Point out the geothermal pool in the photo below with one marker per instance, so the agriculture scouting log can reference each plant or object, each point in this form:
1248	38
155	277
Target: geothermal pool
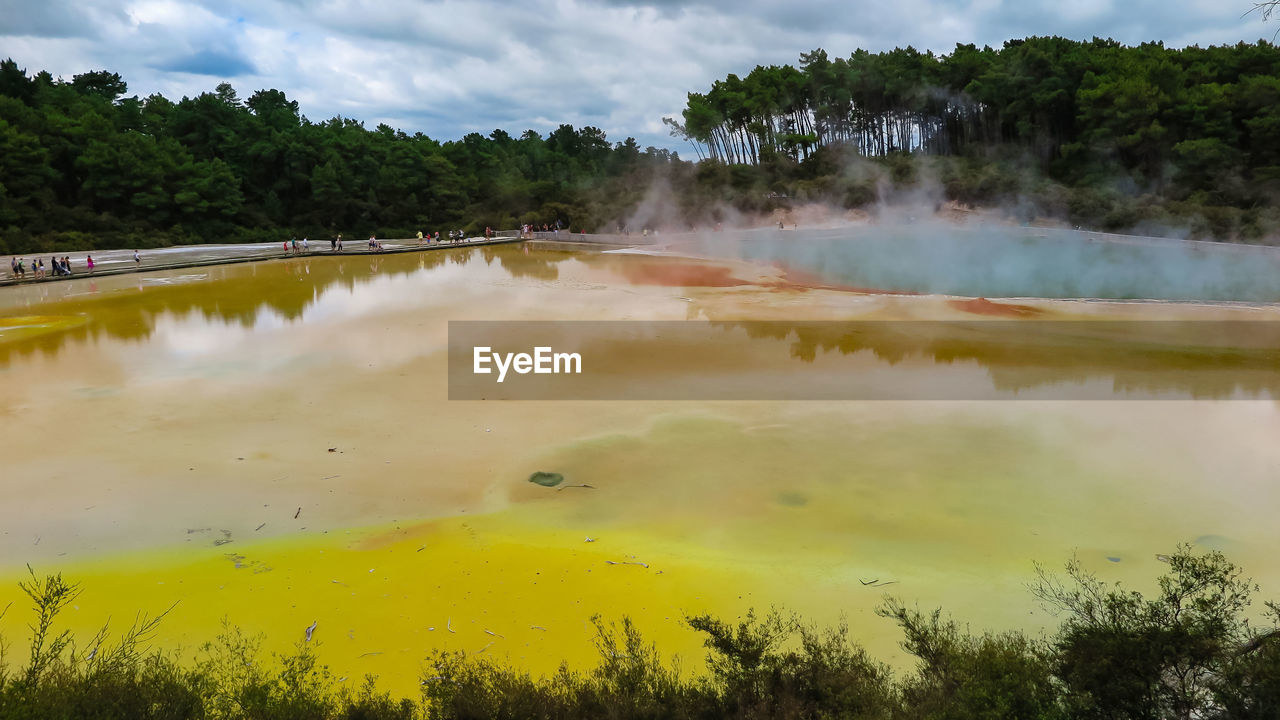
272	443
932	256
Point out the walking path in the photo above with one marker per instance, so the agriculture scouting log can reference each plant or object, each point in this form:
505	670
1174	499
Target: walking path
116	262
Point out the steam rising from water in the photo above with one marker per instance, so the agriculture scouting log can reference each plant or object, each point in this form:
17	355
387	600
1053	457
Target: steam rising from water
934	256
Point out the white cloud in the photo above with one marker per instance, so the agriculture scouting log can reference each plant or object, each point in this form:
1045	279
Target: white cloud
170	15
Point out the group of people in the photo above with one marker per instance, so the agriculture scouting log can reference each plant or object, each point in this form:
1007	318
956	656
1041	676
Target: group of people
61	265
375	245
454	236
58	267
527	230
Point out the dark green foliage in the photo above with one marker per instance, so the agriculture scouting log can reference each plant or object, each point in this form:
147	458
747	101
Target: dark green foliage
630	682
1192	123
1097	103
1249	684
370	704
962	676
779	667
1119	654
80	157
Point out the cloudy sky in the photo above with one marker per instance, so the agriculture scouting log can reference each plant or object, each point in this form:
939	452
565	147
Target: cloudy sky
449	67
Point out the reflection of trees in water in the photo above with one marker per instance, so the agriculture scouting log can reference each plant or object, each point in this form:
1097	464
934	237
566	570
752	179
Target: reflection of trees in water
243	292
1207	360
538	265
287	288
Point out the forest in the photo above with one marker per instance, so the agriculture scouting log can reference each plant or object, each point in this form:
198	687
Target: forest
82	165
1183	131
1095	133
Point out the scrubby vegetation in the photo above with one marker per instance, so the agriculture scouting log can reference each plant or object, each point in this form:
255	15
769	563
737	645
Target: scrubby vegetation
1186	652
1103	135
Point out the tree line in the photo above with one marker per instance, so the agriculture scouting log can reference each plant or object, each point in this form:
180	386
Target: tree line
1186	651
1107	136
84	165
1198	125
1075	106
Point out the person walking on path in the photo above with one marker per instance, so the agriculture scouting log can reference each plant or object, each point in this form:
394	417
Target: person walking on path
88	261
137	259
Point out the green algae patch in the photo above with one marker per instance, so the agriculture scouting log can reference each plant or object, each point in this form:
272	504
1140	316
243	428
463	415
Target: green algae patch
546	479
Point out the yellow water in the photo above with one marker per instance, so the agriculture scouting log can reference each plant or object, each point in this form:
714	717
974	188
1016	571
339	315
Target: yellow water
272	443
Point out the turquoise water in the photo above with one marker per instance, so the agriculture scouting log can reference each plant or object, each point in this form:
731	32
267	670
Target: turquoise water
997	261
